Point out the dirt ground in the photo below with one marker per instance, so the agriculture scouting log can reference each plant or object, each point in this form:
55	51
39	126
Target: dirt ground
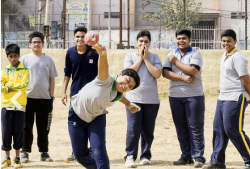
165	148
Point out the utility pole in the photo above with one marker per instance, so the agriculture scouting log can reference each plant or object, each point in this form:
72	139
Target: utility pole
184	13
128	25
63	26
120	45
47	23
109	23
246	25
3	21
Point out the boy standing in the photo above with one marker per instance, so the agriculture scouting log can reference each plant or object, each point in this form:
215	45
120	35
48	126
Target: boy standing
40	96
183	69
87	116
14	83
231	104
80	63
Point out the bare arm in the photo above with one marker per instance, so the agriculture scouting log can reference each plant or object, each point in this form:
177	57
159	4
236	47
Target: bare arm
103	73
187	69
177	77
246	82
65	86
131	106
52	86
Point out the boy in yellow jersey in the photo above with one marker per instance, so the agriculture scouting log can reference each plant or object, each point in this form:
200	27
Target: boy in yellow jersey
14	83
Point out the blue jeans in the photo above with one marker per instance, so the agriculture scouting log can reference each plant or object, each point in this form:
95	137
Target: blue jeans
188	116
80	132
141	124
228	124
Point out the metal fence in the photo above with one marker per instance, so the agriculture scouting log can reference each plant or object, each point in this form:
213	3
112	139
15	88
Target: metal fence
21	17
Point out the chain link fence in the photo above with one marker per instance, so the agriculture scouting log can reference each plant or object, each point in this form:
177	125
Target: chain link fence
21	17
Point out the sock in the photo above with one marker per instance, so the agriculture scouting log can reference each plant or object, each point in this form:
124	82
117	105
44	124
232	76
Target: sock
17	157
7	157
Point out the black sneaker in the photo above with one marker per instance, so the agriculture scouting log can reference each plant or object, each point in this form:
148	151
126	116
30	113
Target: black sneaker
183	162
212	166
198	163
24	157
45	157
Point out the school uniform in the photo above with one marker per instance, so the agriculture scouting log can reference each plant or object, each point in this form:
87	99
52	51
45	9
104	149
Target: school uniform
87	121
187	105
142	124
231	105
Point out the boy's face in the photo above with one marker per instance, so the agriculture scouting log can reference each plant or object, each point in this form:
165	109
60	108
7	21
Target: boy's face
228	43
79	39
143	41
182	41
13	59
36	45
124	83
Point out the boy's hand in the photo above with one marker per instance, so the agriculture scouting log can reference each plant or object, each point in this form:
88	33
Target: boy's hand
172	59
188	79
64	99
101	50
133	107
10	90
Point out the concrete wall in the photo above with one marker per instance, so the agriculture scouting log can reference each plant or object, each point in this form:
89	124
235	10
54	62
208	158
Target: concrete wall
210	70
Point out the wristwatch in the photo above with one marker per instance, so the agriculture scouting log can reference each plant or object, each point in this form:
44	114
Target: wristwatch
52	98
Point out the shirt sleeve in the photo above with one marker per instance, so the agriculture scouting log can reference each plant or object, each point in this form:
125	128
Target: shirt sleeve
68	66
53	72
240	65
128	61
23	84
157	61
196	59
166	63
106	82
4	89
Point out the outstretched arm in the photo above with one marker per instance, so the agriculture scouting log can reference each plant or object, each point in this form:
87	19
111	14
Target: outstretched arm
103	73
131	106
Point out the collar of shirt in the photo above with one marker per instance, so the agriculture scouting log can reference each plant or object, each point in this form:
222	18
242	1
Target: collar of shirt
119	95
189	50
230	53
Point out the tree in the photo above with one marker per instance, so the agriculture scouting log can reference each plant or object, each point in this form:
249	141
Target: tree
171	14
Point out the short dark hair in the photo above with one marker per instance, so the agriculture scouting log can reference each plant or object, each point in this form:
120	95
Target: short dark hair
132	73
144	33
12	48
229	32
36	34
184	31
80	29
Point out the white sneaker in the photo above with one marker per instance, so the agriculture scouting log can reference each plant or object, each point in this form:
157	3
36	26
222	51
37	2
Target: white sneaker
145	161
130	162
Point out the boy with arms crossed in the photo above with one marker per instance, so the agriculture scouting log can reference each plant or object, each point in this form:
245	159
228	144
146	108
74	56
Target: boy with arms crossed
14	83
183	69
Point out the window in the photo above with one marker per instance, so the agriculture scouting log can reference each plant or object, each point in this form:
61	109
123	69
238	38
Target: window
239	15
113	15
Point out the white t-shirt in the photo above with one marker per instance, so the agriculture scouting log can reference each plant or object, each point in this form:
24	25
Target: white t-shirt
40	70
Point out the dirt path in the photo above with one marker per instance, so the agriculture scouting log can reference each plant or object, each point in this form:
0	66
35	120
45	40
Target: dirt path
165	148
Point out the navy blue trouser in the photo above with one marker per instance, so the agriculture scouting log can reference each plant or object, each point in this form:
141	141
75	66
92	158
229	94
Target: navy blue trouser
142	124
12	125
228	124
80	132
188	116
